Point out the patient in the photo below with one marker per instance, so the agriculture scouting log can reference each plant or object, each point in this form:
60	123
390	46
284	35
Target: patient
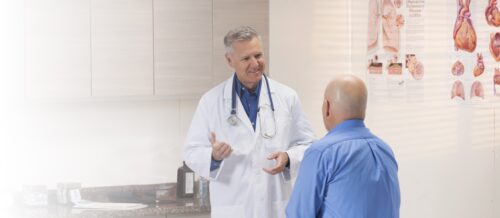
349	172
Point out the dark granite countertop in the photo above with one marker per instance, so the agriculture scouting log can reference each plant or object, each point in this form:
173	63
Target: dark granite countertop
160	198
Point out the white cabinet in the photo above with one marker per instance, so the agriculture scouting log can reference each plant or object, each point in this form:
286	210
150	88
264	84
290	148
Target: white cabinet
57	61
122	47
182	47
116	48
189	49
201	215
187	215
228	14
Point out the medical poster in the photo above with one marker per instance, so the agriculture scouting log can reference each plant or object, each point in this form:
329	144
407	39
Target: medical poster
396	50
474	76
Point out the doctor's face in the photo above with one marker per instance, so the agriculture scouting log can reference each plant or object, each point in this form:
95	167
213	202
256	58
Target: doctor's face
247	59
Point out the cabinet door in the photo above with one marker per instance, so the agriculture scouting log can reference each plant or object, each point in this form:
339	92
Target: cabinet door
183	47
122	47
57	48
195	215
229	14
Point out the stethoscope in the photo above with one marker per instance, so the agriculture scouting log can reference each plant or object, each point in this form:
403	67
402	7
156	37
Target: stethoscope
233	119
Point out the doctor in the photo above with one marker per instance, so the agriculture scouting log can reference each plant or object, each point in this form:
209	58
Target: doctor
247	135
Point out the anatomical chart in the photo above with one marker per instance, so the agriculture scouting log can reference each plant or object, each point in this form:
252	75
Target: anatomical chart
474	75
395	50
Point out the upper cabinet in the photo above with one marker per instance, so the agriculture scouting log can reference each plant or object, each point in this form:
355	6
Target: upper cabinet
115	48
57	61
122	47
182	47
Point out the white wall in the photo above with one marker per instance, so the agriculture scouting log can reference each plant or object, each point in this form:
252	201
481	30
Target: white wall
449	168
97	142
446	153
496	201
101	141
104	143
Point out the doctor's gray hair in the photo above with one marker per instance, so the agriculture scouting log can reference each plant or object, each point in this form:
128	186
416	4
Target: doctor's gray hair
242	33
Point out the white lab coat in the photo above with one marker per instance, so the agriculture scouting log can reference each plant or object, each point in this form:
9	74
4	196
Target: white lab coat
240	188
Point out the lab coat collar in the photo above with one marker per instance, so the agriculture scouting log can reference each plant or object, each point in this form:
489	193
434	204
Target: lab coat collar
240	111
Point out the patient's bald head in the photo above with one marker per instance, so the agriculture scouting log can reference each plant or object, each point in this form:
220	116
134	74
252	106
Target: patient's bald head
345	98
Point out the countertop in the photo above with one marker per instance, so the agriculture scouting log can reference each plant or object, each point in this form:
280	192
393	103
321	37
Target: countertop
160	198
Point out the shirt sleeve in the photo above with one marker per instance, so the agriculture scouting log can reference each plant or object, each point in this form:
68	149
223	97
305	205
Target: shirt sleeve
215	164
310	187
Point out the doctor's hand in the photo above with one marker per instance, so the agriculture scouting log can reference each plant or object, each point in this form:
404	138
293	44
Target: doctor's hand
220	150
281	161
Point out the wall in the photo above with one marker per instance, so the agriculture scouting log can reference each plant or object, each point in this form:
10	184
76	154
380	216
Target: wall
101	141
447	154
496	168
448	168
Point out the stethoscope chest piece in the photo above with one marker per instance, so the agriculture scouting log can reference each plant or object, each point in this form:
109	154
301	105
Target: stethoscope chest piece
232	120
268	130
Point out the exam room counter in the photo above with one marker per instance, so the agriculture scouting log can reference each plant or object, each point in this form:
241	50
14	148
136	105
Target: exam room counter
160	199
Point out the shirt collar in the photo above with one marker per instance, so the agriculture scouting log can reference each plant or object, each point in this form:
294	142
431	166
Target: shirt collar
348	124
240	88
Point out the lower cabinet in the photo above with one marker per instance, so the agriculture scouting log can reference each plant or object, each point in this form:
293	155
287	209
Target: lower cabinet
196	215
189	215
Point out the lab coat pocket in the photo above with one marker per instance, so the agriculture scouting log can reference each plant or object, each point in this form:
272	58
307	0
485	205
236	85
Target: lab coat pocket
228	211
239	138
282	138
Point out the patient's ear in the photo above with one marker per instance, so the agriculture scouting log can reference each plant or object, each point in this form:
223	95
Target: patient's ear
326	108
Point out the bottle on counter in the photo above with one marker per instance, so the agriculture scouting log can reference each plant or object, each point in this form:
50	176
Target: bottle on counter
203	193
185	182
202	188
68	193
